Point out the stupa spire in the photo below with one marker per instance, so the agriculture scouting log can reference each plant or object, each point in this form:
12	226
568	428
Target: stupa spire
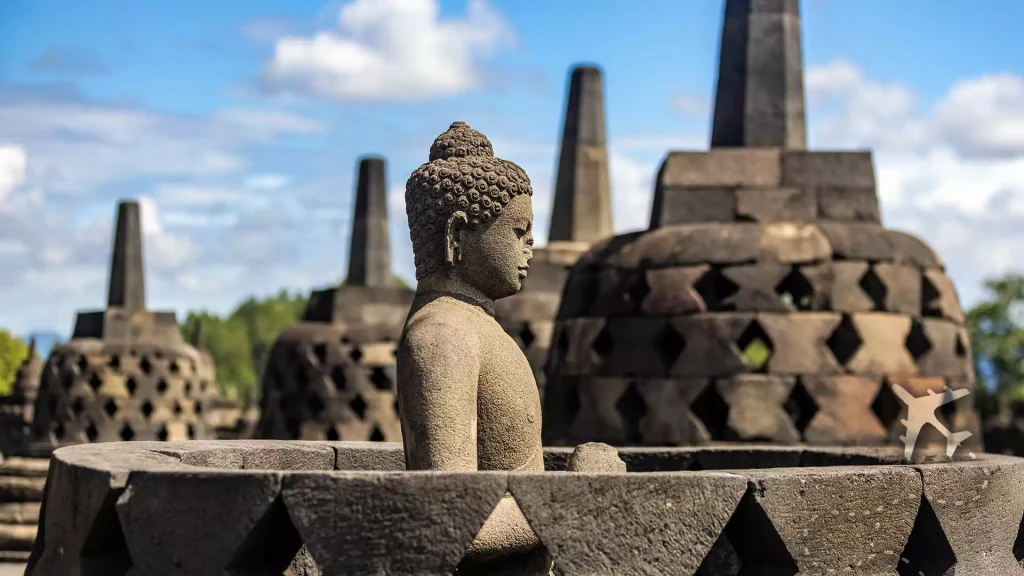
760	97
127	283
582	209
369	262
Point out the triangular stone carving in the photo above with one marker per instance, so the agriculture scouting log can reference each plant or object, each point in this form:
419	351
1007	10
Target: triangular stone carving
273	547
927	551
104	551
506	546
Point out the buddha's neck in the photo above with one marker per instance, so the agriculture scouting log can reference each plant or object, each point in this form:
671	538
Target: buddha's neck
449	284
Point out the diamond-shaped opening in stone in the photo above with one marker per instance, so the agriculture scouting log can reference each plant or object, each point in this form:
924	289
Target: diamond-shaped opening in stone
104	550
757	544
338	377
315	405
376	435
161	386
127	434
78	406
929	298
845	340
95	381
526	335
631	408
795	290
886	406
669	344
147	408
162	434
91	432
199	408
380	379
961	345
1018	544
59	431
115	362
721	560
358	405
294	427
145	365
332	434
715	288
177	408
948	411
173	367
535	561
190	431
638	290
68	380
132	385
273	546
801	407
917	341
712	410
83	363
110	407
756	347
188	387
873	286
356	355
927	551
562	344
604	343
320	352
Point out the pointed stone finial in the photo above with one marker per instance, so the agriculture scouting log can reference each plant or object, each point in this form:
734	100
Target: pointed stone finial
31	348
760	96
127	285
582	209
197	334
369	261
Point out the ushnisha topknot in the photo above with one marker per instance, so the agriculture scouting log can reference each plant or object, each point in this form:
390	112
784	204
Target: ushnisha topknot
462	175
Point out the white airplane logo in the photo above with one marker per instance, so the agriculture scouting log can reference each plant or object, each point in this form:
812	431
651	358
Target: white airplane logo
921	411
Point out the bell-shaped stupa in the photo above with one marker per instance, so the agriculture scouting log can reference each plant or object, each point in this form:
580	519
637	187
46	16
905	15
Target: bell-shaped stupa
766	302
126	373
331	376
581	215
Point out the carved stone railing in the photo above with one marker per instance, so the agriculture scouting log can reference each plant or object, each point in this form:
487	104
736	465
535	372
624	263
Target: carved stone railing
232	507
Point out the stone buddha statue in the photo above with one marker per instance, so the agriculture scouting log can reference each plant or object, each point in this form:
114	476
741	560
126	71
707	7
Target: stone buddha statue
467	395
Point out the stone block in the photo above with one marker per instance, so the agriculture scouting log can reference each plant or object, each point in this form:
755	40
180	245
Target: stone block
692	244
793	243
883	345
847	293
776	204
739	457
577	356
911	250
946	354
844	415
600	419
820	169
684	205
595	457
857	241
723	167
21	488
756	410
902	288
672	520
424	526
672	291
756	288
638	347
939	296
710	345
848	204
20	513
380	456
799	342
580	291
669	420
830	519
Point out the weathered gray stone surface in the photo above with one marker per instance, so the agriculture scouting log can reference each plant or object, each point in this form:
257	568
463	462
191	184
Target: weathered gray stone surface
124	508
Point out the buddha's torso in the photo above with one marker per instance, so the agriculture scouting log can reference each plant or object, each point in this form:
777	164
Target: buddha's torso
508	408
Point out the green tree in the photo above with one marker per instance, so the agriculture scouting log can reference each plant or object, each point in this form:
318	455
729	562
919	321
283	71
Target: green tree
13	352
996	326
400	283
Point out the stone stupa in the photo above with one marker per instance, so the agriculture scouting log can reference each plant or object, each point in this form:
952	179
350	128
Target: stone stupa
581	215
331	376
126	373
766	302
16	408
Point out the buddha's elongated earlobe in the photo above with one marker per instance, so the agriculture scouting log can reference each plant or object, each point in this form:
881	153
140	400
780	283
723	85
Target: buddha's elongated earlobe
453	237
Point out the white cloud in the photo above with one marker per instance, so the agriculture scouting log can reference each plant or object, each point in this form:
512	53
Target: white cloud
691	104
267	181
390	50
12	170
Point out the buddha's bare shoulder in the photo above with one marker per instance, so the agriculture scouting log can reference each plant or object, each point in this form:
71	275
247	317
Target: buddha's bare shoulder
444	322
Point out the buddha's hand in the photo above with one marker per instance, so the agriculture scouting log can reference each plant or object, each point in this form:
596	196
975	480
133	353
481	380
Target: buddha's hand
595	457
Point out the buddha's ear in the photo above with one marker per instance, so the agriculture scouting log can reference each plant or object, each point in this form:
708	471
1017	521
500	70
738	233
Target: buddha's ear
453	232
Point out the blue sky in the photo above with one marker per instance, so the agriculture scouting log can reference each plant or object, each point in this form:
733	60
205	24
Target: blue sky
241	133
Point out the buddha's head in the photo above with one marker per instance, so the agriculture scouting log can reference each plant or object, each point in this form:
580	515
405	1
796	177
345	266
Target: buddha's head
471	214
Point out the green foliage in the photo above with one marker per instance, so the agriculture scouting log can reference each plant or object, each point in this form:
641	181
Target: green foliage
13	351
401	283
239	343
996	326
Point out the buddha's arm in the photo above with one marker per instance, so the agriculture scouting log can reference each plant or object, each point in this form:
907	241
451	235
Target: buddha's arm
438	378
